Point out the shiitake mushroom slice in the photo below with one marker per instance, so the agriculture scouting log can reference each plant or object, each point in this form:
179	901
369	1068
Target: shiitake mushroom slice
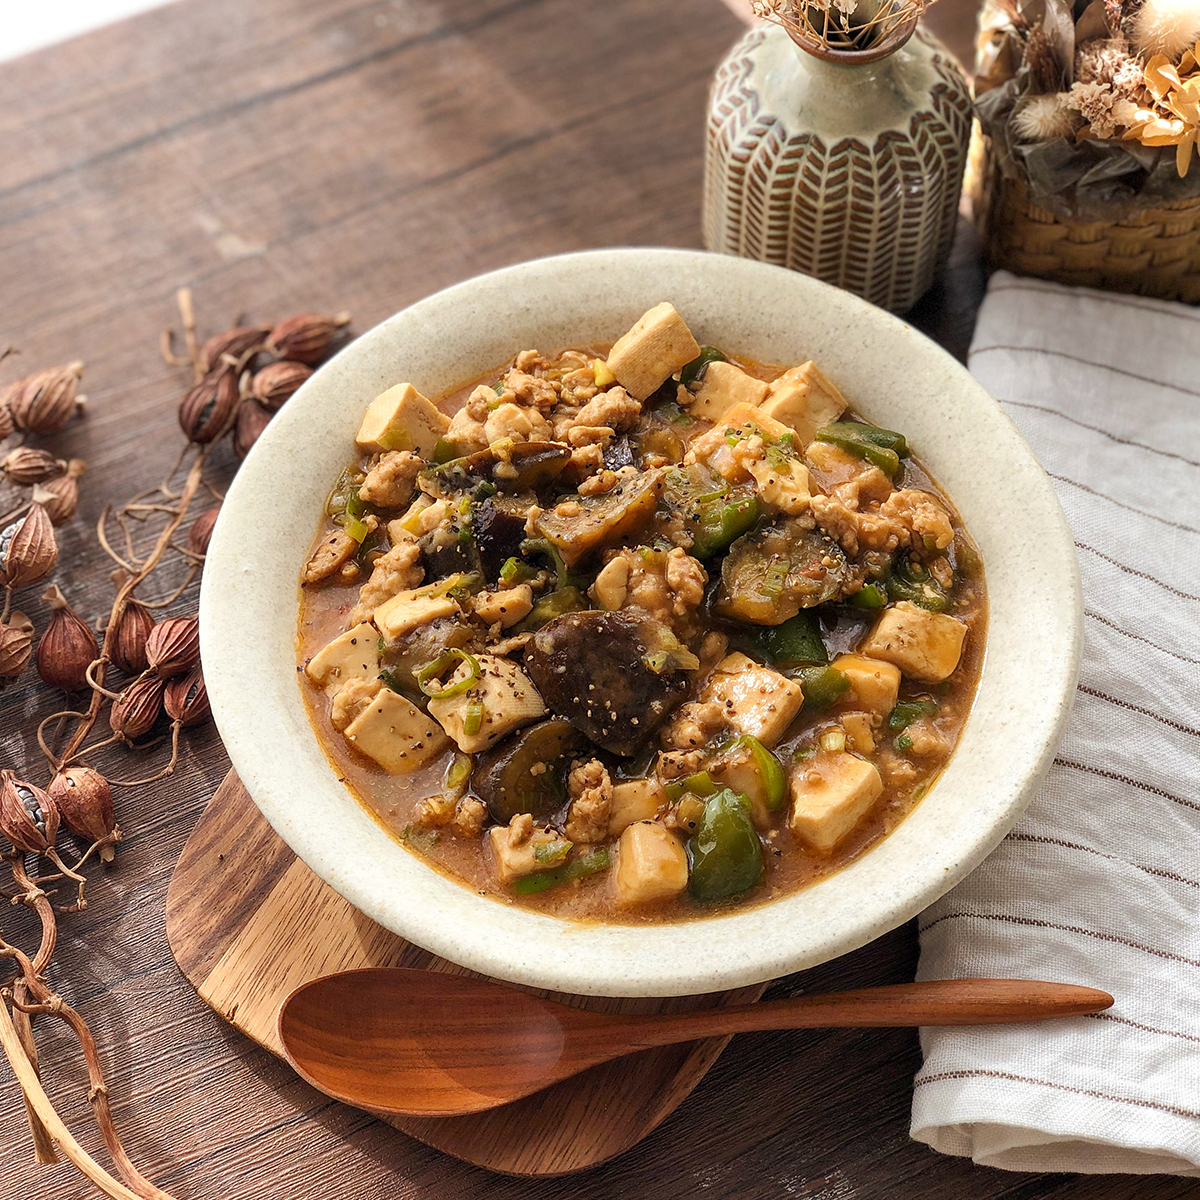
605	672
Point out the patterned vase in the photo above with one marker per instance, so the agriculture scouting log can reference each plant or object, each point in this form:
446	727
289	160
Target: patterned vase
844	165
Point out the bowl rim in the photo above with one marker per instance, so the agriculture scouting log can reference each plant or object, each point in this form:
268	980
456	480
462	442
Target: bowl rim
265	739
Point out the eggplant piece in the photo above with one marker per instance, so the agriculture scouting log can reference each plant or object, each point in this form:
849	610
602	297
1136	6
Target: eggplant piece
526	467
593	668
498	529
504	777
769	575
448	550
597	521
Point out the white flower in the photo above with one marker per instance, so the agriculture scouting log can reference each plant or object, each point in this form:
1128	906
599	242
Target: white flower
1043	119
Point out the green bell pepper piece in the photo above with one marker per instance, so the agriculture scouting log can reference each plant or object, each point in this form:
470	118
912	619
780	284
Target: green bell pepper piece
565	600
693	370
718	523
700	784
770	771
908	711
822	686
724	854
873	596
882	447
912	582
796	640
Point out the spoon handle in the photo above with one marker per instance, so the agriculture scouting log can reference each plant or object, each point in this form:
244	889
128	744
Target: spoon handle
933	1002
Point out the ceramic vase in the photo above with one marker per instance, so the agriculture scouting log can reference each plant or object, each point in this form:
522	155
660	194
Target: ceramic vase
846	165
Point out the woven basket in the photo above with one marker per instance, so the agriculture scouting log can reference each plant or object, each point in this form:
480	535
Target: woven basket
1154	253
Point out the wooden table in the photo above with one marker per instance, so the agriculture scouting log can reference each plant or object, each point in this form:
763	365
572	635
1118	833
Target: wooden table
284	155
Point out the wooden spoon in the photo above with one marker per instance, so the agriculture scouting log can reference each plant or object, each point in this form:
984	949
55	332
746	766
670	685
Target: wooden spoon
421	1043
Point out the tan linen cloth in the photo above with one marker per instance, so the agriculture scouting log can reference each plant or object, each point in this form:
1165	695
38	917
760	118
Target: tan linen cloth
1099	882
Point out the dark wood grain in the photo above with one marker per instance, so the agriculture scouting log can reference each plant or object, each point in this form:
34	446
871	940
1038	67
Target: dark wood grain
284	155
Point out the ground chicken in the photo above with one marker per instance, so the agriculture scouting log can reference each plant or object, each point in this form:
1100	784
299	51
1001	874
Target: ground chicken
470	816
578	386
590	789
942	572
694	725
927	739
665	584
467	427
599	484
589	435
532	361
615	408
675	764
351	700
396	571
921	514
584	461
334	552
390	483
857	530
434	812
531	390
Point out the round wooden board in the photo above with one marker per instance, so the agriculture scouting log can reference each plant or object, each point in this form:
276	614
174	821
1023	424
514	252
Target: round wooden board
248	922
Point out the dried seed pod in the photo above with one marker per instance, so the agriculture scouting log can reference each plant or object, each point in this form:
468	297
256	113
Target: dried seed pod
186	700
85	804
273	386
7	424
208	408
16	647
25	465
45	402
306	337
173	646
201	531
128	649
67	648
60	497
252	419
236	342
28	816
135	710
28	549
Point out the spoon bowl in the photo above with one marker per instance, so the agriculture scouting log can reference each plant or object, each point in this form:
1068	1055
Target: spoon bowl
423	1043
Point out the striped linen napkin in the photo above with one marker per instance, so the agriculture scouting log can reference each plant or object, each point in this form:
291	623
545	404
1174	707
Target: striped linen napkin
1099	882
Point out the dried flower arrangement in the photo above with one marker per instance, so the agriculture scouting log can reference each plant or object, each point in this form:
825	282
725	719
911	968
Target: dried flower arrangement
844	25
240	379
1095	106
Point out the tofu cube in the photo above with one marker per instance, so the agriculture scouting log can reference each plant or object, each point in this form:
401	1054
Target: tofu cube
396	734
514	859
634	800
831	793
407	610
874	684
351	655
924	645
756	699
652	351
508	697
651	864
402	419
787	487
724	385
742	415
804	399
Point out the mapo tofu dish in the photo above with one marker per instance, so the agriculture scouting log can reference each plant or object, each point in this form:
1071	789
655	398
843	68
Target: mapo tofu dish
638	632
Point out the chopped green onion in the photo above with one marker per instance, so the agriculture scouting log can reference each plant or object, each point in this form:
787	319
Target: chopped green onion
833	740
590	863
499	387
908	711
457	774
516	571
356	529
432	673
473	717
552	853
903	742
872	596
445	451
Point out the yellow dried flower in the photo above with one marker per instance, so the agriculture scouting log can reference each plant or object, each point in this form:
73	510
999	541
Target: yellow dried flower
1175	118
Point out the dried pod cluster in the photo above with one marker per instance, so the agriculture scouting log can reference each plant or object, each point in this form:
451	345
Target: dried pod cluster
60	496
67	647
29	818
85	804
128	649
28	549
136	710
45	402
240	392
186	698
173	646
201	531
26	465
16	647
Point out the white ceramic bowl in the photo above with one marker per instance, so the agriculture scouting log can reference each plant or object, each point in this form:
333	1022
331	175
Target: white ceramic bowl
892	374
